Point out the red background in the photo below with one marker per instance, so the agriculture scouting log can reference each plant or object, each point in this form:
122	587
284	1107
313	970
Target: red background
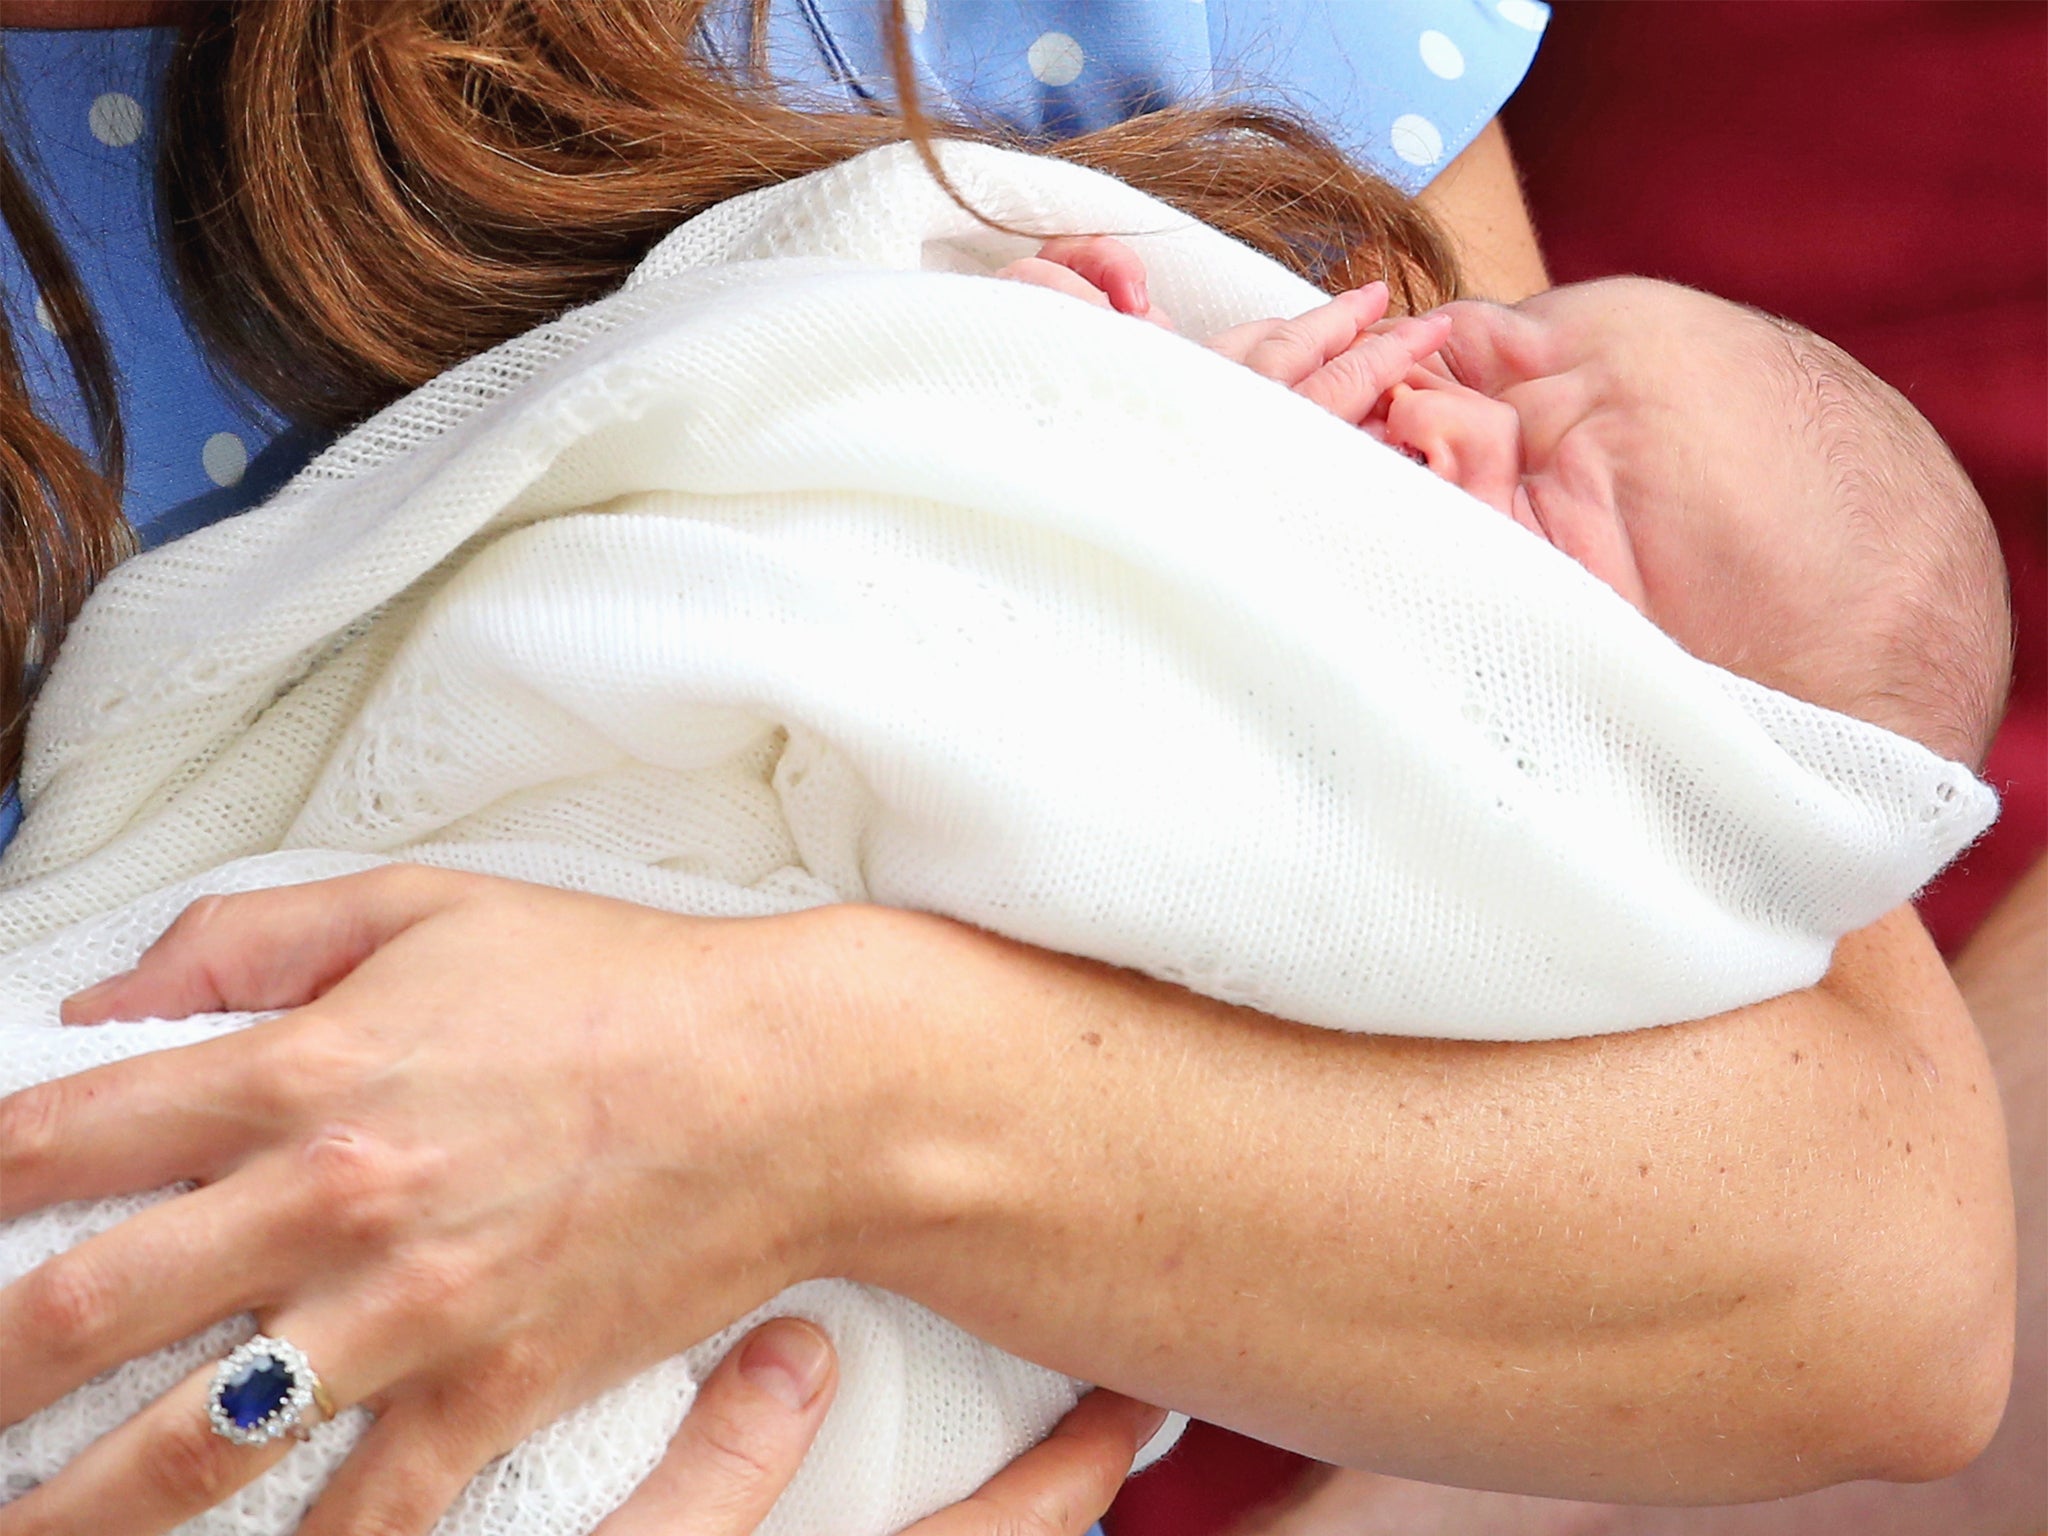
1877	171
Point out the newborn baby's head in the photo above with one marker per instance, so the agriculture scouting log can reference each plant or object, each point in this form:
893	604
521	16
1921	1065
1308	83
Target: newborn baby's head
1758	494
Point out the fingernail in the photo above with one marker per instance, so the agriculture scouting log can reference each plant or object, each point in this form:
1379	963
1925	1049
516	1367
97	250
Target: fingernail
788	1360
1141	296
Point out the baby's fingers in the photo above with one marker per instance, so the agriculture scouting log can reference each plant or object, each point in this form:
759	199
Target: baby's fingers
1351	384
1288	351
1040	273
1109	265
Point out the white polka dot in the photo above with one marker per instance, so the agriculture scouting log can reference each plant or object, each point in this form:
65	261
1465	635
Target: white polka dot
1416	140
1055	59
1523	13
225	458
914	14
1441	55
115	119
44	318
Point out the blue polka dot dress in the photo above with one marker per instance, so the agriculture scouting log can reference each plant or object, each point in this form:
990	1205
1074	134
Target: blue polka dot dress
1402	84
197	450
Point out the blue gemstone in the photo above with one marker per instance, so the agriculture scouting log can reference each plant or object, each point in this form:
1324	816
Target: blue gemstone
257	1392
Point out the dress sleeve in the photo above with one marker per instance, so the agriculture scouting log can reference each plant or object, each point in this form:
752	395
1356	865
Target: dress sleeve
1404	85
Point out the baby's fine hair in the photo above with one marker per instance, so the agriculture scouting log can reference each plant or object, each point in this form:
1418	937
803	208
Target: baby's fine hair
1933	658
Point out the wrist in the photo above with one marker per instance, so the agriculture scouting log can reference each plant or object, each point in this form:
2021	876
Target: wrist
993	1152
904	1078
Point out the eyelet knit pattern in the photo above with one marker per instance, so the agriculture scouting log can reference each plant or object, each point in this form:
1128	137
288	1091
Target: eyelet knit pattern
810	568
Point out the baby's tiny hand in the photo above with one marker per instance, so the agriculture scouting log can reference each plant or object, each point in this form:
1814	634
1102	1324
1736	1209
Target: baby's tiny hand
1093	268
1344	355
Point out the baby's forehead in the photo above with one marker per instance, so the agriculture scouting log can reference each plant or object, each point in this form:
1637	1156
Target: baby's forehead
1736	426
1714	369
1658	328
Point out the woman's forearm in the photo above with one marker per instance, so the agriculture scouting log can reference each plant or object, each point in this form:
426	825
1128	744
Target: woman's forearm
1723	1260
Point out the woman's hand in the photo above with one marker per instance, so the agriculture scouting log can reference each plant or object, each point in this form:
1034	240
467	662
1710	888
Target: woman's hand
1776	1246
466	1270
759	1411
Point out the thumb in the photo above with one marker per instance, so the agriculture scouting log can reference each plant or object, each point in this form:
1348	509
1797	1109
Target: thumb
742	1441
1062	1485
269	949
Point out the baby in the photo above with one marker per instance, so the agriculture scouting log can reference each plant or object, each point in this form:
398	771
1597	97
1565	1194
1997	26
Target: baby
1758	494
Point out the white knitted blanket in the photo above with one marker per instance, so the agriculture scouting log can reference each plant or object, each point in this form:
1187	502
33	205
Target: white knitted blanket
807	569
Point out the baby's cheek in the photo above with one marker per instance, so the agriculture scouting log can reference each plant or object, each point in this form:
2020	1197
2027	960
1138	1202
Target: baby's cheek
1600	541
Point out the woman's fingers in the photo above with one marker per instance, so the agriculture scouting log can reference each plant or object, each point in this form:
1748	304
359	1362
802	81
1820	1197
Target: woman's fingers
163	1273
167	1464
1351	383
1061	1486
1288	351
403	1474
743	1439
118	1488
130	1125
267	949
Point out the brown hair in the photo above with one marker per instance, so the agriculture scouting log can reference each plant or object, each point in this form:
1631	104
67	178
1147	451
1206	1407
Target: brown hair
1929	652
62	525
362	193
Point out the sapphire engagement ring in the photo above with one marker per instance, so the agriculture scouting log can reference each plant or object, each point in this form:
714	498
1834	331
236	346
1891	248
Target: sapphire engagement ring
262	1391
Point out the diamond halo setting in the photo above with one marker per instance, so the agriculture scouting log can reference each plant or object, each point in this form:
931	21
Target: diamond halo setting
263	1390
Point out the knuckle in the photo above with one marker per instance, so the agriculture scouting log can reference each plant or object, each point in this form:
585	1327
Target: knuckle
195	920
301	1071
1050	1515
1034	1519
1350	383
737	1449
192	1468
435	1288
1363	364
390	879
1293	344
405	1501
30	1129
409	884
358	1185
1293	333
520	1374
70	1302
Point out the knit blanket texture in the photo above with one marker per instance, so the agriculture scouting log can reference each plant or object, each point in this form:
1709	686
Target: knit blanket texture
814	566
